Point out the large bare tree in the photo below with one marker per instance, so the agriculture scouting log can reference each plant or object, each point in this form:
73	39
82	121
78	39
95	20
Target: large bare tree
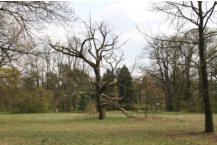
97	49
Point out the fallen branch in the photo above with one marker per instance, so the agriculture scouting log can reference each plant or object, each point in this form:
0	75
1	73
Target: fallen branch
124	111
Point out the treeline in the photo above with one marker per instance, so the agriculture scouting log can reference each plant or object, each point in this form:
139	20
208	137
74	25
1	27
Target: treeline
69	87
66	90
32	92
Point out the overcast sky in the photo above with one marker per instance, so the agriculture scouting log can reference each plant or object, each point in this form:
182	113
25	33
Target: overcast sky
123	17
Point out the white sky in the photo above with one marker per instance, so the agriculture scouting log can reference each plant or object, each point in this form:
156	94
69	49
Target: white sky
123	17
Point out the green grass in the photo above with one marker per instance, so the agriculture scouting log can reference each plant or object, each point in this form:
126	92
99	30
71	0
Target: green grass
81	129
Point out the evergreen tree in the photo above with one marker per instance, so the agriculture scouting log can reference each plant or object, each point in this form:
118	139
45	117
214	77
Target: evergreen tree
125	86
113	90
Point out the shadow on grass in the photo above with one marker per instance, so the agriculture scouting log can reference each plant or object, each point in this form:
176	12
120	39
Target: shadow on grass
210	137
35	119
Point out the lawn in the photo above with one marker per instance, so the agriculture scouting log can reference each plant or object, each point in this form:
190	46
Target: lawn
81	129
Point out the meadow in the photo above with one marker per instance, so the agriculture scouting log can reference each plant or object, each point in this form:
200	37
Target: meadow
82	129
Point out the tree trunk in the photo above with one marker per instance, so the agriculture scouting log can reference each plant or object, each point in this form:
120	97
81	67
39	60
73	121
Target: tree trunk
100	107
169	103
57	103
188	94
37	81
146	107
178	102
74	102
169	100
209	127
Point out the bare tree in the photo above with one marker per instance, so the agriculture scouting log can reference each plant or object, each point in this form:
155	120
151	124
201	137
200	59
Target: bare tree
18	22
166	58
199	14
97	49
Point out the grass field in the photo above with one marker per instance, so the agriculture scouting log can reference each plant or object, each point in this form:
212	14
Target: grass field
81	129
